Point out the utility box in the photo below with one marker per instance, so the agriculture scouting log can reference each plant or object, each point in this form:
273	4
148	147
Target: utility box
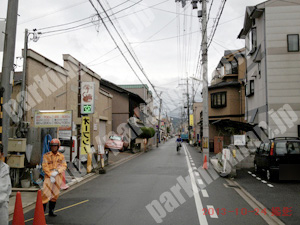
15	161
16	144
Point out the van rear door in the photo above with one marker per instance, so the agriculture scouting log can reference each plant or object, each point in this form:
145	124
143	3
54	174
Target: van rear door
289	166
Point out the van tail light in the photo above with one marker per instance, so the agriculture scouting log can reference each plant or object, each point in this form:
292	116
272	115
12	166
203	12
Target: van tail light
73	146
272	149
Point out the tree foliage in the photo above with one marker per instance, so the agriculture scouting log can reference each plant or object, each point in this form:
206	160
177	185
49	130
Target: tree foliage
147	132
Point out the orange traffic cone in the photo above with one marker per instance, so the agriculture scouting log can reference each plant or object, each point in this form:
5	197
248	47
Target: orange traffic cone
63	185
18	212
39	217
205	163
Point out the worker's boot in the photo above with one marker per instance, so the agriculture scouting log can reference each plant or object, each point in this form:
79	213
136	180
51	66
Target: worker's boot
51	209
45	206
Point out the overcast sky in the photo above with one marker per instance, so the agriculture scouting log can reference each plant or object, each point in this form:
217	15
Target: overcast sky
151	26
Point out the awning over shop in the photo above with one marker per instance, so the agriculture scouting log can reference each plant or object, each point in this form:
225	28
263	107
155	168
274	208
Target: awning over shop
235	124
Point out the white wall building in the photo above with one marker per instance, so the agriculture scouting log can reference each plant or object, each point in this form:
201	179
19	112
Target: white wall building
271	32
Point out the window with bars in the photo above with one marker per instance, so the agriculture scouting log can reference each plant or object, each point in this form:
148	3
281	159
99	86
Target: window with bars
218	100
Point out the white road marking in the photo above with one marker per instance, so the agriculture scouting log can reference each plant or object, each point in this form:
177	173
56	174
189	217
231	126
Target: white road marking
204	193
253	175
258	178
264	181
199	206
197	174
200	181
212	212
193	164
194	168
270	185
249	172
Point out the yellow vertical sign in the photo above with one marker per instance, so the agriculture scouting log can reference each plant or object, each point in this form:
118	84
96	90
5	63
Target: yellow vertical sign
85	135
191	120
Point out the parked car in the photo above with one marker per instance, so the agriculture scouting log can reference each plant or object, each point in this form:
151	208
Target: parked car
116	142
279	158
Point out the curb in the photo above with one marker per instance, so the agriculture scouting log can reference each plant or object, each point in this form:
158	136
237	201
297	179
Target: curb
254	203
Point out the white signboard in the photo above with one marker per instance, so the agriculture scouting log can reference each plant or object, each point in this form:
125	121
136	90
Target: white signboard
239	139
2	36
53	118
64	133
226	154
87	97
62	119
101	149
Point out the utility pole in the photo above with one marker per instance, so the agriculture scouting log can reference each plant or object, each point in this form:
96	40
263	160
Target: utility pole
23	118
158	131
205	141
188	106
204	62
8	66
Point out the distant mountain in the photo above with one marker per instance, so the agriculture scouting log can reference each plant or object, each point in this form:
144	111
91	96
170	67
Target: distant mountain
176	122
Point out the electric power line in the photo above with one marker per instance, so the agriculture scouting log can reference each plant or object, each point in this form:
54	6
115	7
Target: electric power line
115	41
60	25
68	7
88	25
216	22
130	52
80	25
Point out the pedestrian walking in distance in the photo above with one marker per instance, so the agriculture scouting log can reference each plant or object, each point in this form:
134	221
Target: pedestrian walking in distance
54	164
5	189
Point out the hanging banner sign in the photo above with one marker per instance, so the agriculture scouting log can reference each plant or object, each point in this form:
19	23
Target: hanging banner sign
85	135
191	120
87	97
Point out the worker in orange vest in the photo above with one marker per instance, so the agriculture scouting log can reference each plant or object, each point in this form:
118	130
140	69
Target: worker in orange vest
54	164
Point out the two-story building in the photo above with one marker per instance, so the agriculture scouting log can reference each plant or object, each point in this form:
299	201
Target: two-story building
227	99
271	33
50	86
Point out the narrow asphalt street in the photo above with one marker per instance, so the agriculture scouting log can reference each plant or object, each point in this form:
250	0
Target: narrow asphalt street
161	177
